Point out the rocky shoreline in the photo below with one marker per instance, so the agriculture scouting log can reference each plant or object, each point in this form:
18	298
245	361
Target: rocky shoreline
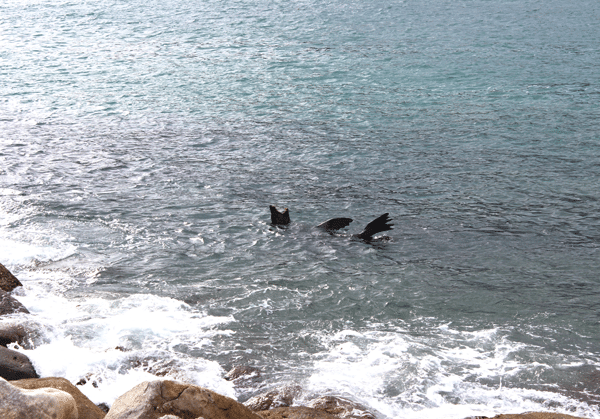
25	395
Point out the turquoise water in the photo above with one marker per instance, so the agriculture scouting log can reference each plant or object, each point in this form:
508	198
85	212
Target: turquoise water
141	144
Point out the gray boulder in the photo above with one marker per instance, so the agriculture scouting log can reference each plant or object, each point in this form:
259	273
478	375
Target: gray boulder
279	397
15	366
297	412
9	305
44	403
8	281
242	372
12	332
340	407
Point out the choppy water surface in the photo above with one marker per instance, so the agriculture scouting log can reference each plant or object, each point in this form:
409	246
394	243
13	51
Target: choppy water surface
141	144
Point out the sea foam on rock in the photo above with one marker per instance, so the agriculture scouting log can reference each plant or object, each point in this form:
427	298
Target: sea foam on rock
298	412
10	305
341	407
43	403
11	332
241	373
279	397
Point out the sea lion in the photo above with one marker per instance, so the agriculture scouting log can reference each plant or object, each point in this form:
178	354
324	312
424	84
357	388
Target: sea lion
279	218
335	224
379	224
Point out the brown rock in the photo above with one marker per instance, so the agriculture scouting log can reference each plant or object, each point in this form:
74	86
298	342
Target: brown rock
281	397
15	366
8	281
46	403
295	413
155	399
242	371
10	333
340	407
9	305
86	408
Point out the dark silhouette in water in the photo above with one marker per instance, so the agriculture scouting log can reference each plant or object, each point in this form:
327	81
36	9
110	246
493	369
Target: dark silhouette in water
379	224
335	224
279	218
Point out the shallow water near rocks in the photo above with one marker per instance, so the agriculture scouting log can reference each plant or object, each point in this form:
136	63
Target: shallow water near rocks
141	144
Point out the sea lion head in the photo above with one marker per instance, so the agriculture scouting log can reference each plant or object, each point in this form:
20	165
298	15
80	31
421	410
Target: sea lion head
279	218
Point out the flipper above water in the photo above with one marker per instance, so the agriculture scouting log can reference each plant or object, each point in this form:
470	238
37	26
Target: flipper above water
335	224
378	225
279	218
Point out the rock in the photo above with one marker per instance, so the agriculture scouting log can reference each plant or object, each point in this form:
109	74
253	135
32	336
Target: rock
84	380
242	371
295	413
340	407
281	397
155	366
155	399
8	281
15	366
10	333
86	408
9	305
45	403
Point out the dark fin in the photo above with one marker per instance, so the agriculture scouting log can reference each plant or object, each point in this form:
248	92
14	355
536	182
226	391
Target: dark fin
378	225
279	218
335	224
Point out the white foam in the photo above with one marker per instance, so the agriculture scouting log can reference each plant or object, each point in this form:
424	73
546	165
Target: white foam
117	343
9	191
25	246
104	375
423	376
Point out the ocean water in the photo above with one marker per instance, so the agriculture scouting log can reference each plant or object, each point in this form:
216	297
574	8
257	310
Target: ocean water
142	142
